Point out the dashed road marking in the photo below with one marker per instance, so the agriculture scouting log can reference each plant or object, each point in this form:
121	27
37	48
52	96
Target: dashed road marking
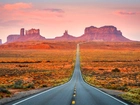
73	102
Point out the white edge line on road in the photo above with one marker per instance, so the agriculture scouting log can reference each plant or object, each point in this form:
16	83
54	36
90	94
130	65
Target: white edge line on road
65	84
42	92
105	93
102	91
108	95
39	94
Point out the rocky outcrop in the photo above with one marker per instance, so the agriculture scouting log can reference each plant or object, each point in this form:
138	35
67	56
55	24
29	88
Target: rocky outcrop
30	35
0	41
106	33
32	32
12	38
33	37
65	37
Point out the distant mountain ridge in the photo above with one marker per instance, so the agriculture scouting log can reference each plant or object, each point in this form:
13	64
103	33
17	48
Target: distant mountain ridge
92	33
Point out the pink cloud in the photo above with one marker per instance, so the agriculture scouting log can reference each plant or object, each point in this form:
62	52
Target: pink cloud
125	13
20	15
17	6
10	22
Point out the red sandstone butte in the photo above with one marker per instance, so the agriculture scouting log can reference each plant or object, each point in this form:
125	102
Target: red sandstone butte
105	33
30	35
65	37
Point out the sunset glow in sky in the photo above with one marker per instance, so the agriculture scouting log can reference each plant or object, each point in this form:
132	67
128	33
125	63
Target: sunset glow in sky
52	17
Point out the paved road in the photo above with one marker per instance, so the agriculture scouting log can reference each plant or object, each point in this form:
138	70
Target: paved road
75	92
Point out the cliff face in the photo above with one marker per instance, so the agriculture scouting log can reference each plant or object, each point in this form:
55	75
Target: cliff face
31	35
0	41
106	33
12	38
65	37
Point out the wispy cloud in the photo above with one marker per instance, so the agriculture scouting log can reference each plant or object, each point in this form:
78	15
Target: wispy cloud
26	13
17	6
54	10
125	13
10	22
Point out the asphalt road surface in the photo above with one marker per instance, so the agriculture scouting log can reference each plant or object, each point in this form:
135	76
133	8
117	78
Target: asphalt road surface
75	92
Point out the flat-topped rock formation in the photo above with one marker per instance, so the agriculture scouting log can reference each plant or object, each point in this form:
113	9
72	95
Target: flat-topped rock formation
30	35
92	33
12	38
105	33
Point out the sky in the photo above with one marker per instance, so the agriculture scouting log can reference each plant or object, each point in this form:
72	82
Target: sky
53	17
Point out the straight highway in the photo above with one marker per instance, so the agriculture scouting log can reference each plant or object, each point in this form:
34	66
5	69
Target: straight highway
74	92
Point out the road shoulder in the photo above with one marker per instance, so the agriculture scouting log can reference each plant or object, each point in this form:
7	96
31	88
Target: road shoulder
21	95
116	94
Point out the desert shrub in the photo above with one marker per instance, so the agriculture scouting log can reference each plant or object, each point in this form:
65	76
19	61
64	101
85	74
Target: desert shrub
116	70
44	85
123	88
101	69
4	90
132	95
18	84
111	86
31	85
21	65
44	68
135	91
